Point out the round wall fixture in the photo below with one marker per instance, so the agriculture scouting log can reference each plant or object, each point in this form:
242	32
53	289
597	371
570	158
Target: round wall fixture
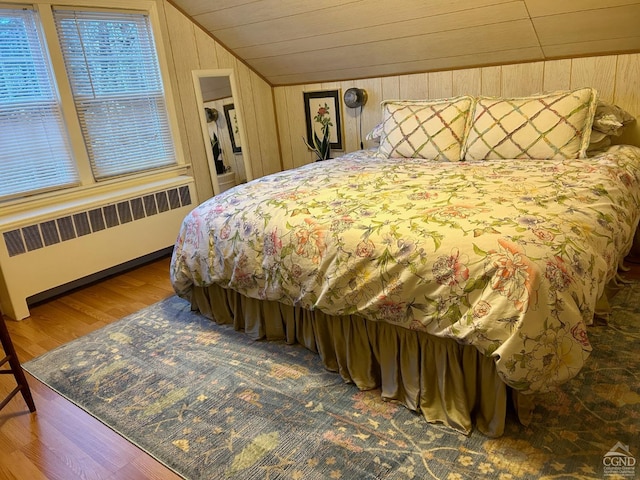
211	114
355	97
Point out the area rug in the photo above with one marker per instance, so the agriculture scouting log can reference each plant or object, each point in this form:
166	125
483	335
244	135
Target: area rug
211	404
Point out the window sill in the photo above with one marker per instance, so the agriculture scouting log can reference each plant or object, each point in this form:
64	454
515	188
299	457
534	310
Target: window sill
44	206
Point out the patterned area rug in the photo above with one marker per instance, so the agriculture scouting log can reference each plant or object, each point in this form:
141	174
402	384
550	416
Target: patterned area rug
210	403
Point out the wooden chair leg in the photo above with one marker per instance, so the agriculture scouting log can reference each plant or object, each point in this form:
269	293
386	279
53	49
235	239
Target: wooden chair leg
14	368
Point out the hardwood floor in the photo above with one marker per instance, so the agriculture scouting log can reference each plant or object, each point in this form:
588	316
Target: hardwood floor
61	441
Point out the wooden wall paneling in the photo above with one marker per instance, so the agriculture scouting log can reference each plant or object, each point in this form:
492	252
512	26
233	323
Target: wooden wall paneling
618	75
582	26
440	84
371	113
520	54
323	20
466	82
358	121
166	39
339	86
492	81
177	99
414	87
293	42
251	152
185	59
282	114
225	58
206	50
332	86
596	72
557	75
442	46
539	8
378	27
522	79
238	14
350	119
390	88
200	7
266	128
295	103
605	45
627	94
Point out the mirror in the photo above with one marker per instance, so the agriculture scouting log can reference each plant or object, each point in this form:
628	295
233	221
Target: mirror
222	129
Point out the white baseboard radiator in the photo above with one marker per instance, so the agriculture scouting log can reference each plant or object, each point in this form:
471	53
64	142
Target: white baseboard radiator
71	245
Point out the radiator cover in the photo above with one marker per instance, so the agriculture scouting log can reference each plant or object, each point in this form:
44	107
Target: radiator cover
52	252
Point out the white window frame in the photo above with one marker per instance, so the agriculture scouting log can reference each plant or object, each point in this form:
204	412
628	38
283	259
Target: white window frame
89	188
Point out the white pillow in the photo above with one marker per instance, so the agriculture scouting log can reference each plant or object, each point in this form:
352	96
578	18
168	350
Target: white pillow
430	129
546	126
375	133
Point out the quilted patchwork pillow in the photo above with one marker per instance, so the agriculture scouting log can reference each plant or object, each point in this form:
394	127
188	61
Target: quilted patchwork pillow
431	129
547	126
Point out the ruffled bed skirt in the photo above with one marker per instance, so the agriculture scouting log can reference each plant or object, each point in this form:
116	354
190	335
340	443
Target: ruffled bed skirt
445	381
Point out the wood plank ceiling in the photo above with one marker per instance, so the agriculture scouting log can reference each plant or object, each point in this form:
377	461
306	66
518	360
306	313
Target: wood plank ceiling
300	41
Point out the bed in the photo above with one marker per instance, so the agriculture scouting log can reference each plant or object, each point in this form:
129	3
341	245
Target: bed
446	267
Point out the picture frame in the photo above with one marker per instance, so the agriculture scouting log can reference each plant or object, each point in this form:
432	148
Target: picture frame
232	127
313	102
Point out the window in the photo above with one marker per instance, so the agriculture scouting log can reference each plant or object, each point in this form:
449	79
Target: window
117	89
117	95
35	149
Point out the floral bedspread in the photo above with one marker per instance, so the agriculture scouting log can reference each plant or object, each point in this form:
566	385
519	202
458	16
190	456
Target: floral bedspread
509	255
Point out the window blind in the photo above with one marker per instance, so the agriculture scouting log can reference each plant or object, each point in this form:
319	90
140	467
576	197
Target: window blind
35	153
113	70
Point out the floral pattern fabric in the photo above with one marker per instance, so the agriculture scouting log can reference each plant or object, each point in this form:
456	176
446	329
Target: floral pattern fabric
509	256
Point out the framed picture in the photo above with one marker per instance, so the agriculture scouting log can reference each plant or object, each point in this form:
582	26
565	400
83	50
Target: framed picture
232	126
321	108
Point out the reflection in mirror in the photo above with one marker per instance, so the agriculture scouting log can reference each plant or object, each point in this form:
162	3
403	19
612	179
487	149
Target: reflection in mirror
221	128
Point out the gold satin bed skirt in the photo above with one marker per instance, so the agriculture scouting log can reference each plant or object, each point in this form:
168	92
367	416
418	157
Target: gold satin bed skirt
445	381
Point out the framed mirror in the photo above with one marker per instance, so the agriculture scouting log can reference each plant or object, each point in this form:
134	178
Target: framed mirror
225	140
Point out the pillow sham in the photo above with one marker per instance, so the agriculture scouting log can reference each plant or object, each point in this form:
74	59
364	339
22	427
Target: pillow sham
596	147
430	129
554	125
375	133
611	119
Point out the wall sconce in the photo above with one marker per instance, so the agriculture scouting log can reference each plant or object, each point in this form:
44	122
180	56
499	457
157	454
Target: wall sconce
211	114
355	97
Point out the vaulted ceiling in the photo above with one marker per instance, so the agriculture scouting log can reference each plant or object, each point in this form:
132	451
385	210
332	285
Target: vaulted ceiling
304	41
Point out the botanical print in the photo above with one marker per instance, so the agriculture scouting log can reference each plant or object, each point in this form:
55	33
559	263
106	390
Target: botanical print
321	133
322	119
510	256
